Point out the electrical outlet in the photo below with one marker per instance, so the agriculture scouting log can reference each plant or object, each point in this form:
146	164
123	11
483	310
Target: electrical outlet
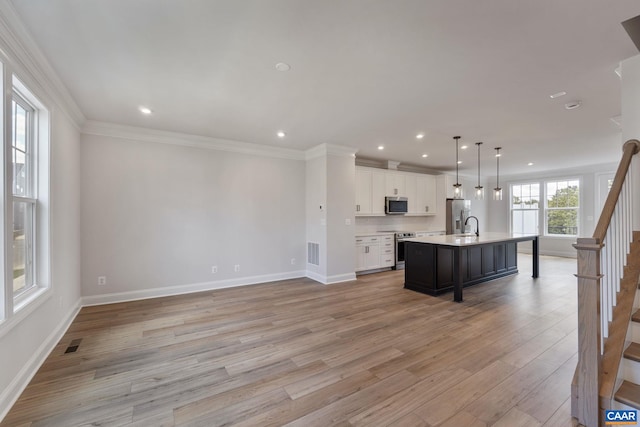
236	268
293	261
214	269
102	280
347	221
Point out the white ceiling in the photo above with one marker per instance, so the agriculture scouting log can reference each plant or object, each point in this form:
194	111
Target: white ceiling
363	73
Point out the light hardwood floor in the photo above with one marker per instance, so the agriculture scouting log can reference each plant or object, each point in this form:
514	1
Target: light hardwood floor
303	354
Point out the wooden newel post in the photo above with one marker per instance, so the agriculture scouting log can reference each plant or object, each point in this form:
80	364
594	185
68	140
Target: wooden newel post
585	389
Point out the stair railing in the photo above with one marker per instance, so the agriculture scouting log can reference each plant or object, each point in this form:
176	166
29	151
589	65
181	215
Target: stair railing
601	261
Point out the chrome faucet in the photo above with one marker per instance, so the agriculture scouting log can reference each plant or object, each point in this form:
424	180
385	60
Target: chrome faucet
477	224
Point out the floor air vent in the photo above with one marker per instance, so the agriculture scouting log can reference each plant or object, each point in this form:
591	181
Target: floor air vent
313	253
73	347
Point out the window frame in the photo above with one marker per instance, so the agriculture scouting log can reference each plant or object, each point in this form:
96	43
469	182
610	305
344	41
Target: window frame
511	209
547	209
30	196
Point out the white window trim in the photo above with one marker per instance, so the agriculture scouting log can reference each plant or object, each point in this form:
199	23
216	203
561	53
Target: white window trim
579	208
14	310
526	182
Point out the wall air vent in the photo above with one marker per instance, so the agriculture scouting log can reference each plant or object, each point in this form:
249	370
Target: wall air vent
313	253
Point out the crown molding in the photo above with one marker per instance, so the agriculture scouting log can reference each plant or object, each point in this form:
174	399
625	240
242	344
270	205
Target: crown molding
329	149
31	64
186	140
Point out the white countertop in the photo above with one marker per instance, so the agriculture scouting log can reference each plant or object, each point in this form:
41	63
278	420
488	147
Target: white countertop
376	233
470	239
386	233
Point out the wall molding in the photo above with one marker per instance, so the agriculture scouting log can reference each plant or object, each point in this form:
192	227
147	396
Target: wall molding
329	150
329	280
187	288
10	395
32	65
134	133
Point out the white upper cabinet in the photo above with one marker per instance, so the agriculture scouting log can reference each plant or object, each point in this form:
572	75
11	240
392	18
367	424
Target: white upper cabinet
425	195
372	185
363	191
396	184
378	186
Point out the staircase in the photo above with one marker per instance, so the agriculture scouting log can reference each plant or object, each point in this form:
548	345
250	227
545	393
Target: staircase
608	371
628	393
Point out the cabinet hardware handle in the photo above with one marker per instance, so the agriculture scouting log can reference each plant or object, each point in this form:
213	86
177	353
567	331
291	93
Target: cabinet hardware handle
426	208
366	249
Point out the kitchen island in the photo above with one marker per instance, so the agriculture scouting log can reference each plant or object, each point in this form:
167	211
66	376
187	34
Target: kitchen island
437	264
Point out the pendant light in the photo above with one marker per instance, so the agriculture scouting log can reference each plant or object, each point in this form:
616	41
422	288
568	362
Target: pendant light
457	187
497	192
479	188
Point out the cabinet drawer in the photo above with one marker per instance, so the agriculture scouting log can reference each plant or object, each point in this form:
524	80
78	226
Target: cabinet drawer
388	238
367	240
387	261
387	251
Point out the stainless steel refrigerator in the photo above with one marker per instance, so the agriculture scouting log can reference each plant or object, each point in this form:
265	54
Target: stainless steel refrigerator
458	210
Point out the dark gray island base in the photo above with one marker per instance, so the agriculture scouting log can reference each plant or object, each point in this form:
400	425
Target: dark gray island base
438	264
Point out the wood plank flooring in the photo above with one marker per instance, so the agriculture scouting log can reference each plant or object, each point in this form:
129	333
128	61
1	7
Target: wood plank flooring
298	353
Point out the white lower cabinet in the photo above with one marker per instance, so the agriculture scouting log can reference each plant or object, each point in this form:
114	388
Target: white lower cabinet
373	252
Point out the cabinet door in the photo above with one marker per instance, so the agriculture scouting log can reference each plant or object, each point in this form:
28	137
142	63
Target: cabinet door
425	195
411	192
372	256
395	184
378	190
363	191
361	257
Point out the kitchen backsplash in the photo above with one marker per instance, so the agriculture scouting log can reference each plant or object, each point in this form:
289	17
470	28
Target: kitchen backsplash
398	223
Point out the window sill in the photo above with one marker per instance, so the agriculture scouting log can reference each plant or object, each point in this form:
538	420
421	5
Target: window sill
26	305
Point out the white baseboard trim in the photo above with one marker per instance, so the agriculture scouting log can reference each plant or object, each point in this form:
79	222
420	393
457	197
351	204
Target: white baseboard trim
328	280
10	394
187	289
561	254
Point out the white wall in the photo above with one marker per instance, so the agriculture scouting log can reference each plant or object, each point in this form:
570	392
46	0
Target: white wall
631	122
316	213
341	254
589	210
27	339
156	217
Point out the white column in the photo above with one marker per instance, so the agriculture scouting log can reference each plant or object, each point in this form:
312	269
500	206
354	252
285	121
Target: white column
631	124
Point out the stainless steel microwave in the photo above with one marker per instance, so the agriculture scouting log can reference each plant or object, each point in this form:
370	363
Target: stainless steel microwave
396	205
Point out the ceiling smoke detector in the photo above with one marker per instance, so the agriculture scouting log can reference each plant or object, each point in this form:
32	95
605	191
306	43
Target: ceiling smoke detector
572	105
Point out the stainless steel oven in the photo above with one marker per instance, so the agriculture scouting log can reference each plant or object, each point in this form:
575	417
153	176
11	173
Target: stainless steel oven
400	242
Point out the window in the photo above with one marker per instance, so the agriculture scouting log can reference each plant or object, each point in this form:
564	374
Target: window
27	231
562	207
525	200
23	194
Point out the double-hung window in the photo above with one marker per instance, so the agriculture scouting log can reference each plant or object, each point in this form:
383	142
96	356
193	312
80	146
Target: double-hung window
525	201
554	203
24	194
562	207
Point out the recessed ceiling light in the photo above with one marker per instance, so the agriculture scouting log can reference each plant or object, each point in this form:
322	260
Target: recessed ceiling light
420	135
459	162
145	110
464	147
281	134
572	105
380	147
557	95
283	66
425	155
530	164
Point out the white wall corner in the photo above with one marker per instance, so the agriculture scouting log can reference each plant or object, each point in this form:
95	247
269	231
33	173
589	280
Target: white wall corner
10	394
34	68
330	149
329	280
134	133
